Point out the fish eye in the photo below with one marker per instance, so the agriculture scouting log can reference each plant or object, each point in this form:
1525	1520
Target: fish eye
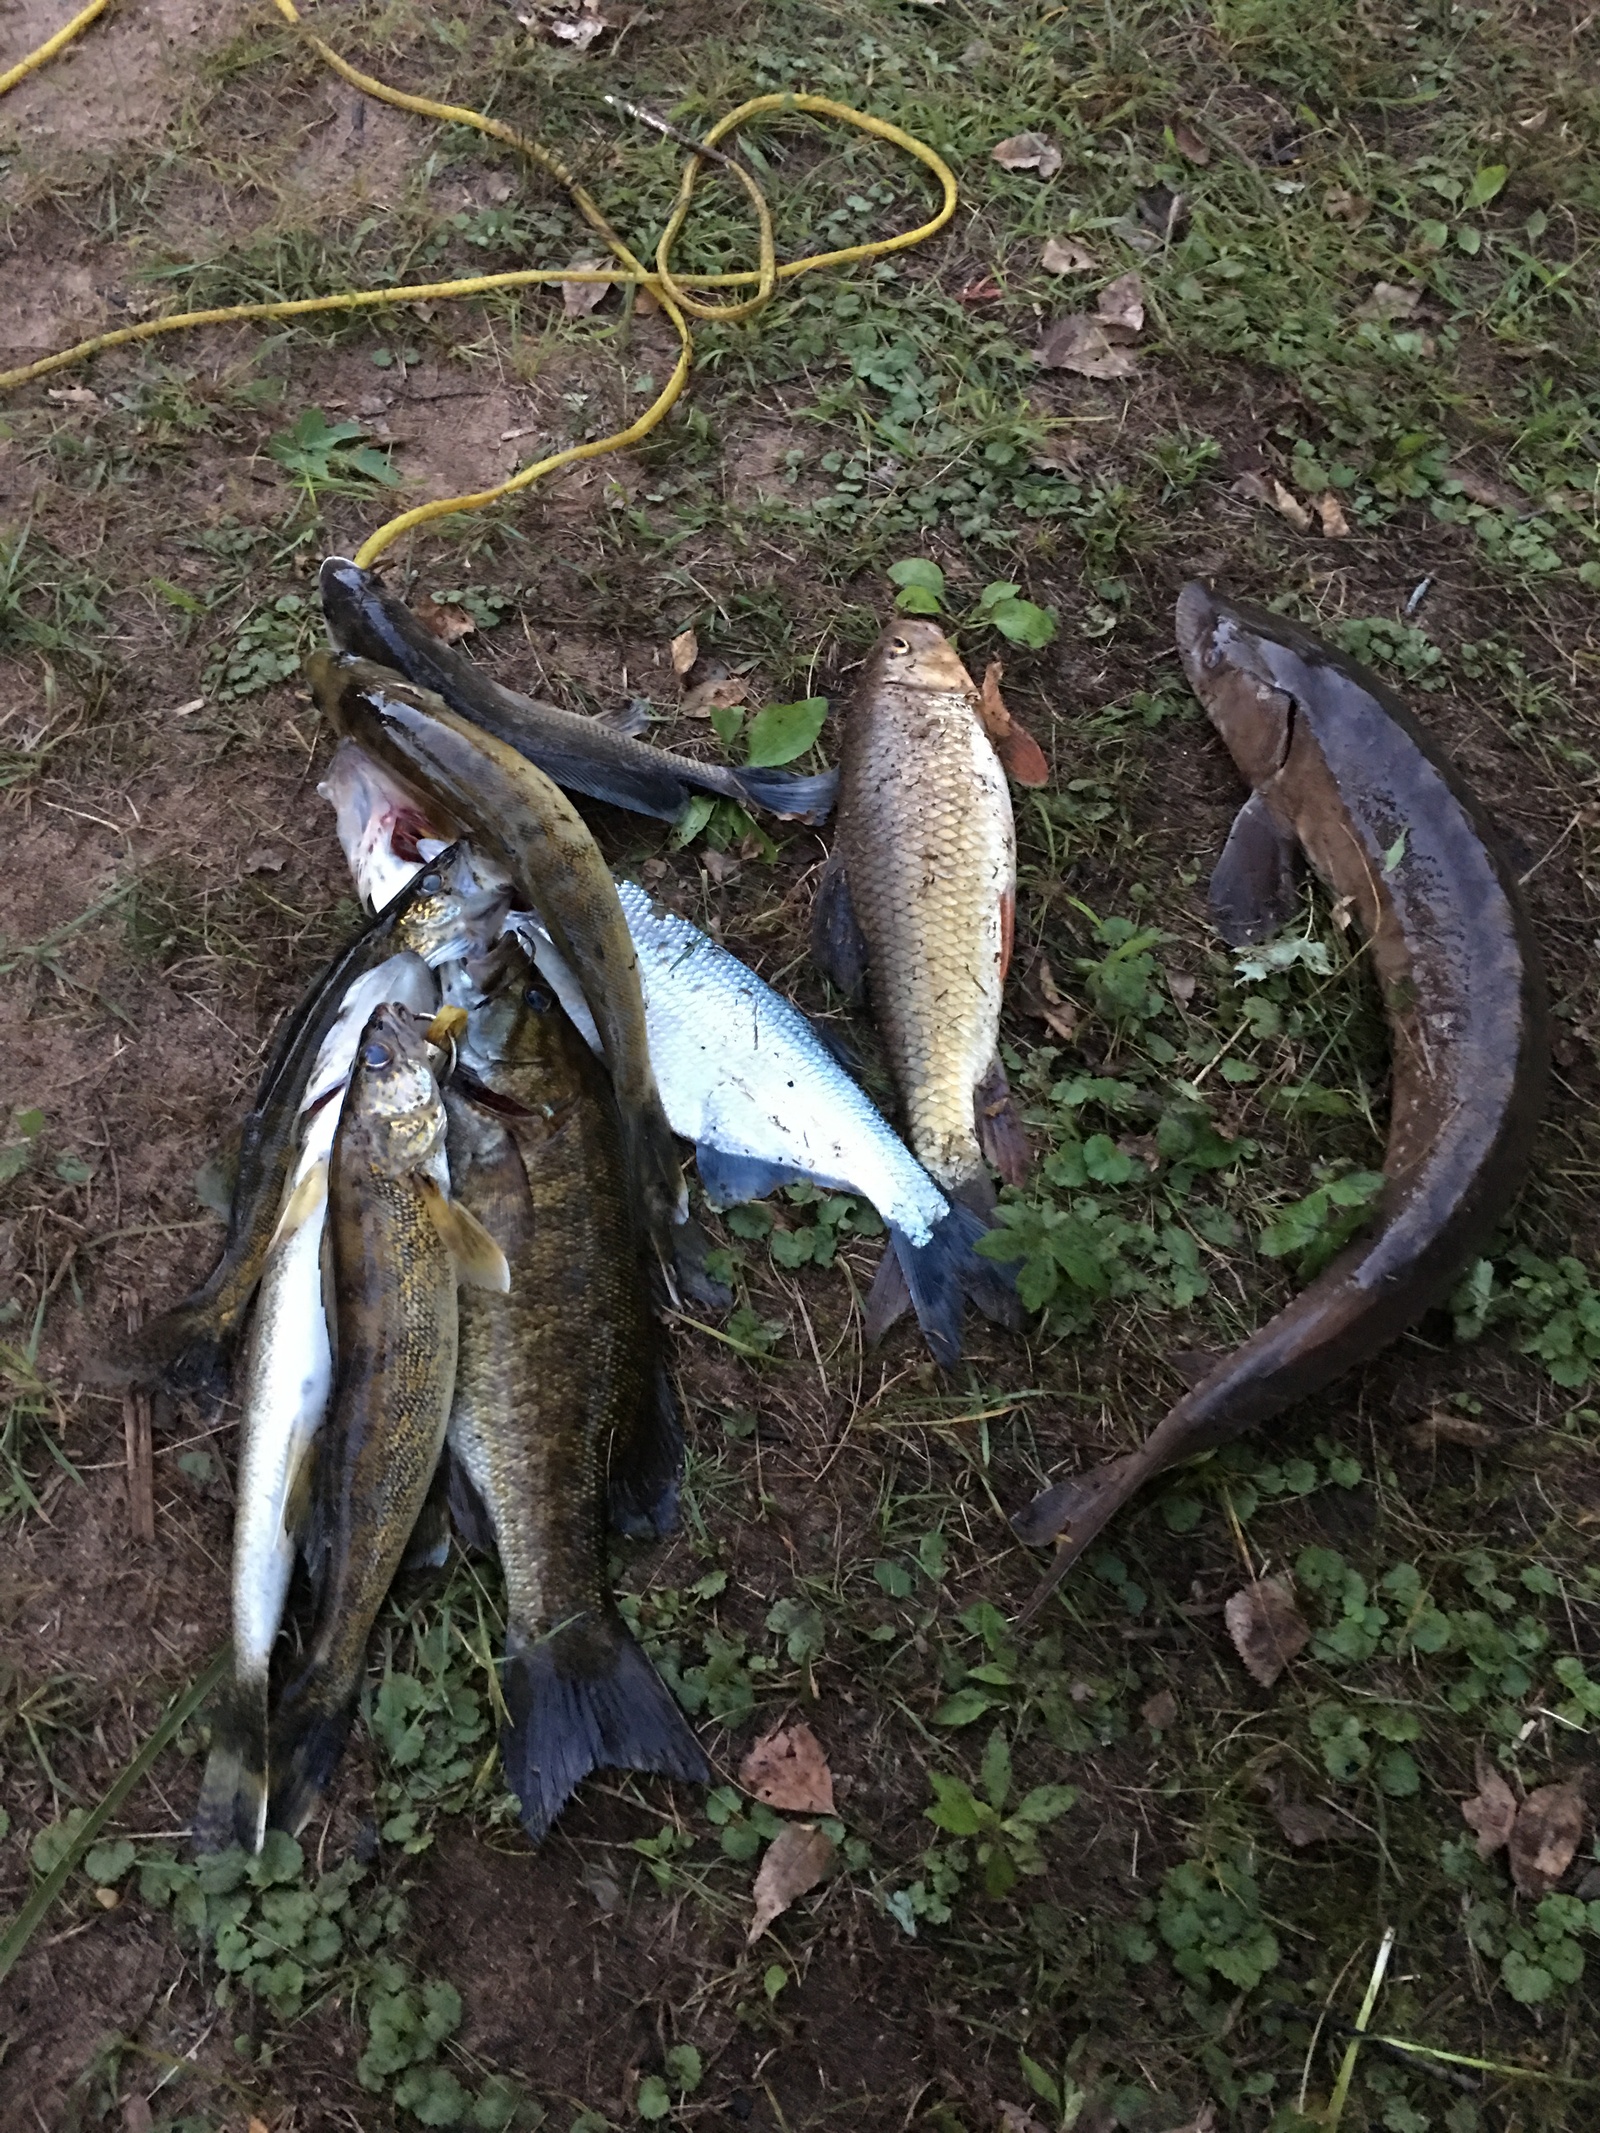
538	999
376	1054
900	645
432	881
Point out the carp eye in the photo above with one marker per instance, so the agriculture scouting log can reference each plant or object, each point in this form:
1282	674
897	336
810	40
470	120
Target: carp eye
902	645
538	999
376	1054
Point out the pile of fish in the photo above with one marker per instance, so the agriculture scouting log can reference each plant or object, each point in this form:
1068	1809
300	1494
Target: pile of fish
460	1200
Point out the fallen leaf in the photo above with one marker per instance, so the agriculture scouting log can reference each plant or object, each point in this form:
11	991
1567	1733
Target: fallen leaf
266	859
1181	986
1484	489
1028	151
708	696
645	303
136	2114
721	867
1015	2119
787	1768
1390	300
1331	512
1289	506
581	30
498	187
1303	1823
1492	1810
1081	344
1120	307
1189	144
1266	1627
1549	1827
685	651
1064	255
1161	1711
579	298
1020	755
795	1862
986	290
1443	1427
1141	1148
1061	452
1165	212
1340	205
1041	997
72	395
1250	486
449	623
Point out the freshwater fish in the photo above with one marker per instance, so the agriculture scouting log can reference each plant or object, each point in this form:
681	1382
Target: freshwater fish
520	819
444	913
559	1391
288	1369
742	1073
582	754
397	1245
1342	773
919	897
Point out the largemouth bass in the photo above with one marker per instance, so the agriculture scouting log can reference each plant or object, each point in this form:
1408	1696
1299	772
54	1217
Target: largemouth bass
288	1371
530	828
397	1246
1340	771
581	754
560	1384
445	913
920	897
742	1073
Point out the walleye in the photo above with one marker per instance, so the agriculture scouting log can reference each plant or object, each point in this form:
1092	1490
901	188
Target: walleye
397	1246
1340	771
530	827
443	914
582	754
742	1073
287	1372
920	897
558	1380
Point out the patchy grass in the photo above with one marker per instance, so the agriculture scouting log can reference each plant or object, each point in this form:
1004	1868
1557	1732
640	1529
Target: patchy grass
1069	1893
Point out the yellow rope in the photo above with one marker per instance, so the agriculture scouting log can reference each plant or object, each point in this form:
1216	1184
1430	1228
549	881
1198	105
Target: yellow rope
51	45
671	291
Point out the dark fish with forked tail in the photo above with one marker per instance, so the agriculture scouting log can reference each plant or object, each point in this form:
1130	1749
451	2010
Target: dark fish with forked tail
560	1395
1341	772
582	754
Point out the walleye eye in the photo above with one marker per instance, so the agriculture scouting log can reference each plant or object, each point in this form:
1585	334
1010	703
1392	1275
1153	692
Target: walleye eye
538	999
432	882
376	1054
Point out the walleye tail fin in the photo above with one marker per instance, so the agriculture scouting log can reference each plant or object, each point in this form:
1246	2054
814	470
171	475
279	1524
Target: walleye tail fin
938	1276
586	1698
306	1744
791	793
232	1807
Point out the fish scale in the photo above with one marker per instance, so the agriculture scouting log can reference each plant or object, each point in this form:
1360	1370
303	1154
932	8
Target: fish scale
929	851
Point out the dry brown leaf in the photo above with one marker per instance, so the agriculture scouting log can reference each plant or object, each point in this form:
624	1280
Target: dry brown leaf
1390	300
1289	506
1443	1427
1303	1823
1266	1627
1064	255
1079	343
1041	997
1331	512
1181	986
794	1863
985	290
1028	151
1061	452
722	867
1492	1811
579	298
1548	1830
788	1769
1189	145
1251	488
708	696
685	651
1021	757
450	623
1484	489
266	859
72	395
1160	1711
1340	205
1015	2119
1120	307
1141	1147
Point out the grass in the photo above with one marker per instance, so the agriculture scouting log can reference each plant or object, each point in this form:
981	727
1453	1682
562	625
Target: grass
1064	1854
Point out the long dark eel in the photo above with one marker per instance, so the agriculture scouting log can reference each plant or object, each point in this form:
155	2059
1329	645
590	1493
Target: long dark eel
1340	771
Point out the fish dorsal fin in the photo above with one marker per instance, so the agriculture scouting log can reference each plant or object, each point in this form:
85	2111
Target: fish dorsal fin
480	1263
303	1202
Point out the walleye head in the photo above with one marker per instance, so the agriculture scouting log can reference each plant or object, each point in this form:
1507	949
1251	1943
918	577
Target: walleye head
394	1091
515	1020
916	654
1242	663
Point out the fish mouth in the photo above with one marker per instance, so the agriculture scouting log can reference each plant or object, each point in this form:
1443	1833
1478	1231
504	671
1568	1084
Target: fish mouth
1195	626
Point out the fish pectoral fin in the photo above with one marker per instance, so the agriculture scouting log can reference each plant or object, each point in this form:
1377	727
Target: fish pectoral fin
302	1204
729	1180
1255	885
480	1263
999	1123
838	945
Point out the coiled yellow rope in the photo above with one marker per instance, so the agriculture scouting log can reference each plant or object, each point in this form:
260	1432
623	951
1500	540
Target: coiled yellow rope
51	45
670	290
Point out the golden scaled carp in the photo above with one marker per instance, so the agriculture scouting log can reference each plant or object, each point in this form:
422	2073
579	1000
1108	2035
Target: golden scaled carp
561	1403
920	897
397	1247
527	824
